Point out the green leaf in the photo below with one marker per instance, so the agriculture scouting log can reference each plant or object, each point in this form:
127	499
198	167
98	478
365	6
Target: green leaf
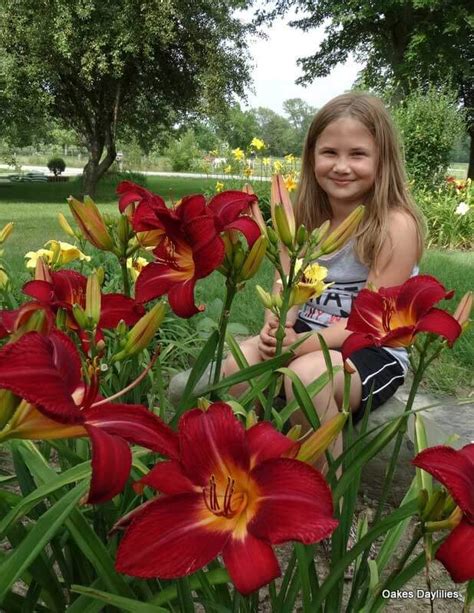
76	473
217	576
303	398
337	571
370	450
124	604
393	536
204	359
39	536
313	389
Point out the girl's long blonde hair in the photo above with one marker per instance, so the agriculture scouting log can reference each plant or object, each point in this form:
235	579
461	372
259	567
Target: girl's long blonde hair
390	189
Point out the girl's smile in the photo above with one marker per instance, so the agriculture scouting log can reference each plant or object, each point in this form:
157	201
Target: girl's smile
345	162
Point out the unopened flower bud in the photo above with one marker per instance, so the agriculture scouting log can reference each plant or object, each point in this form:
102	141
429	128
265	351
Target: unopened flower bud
272	236
294	432
343	232
91	222
123	230
264	296
282	227
463	310
6	231
301	236
63	222
254	259
251	419
93	299
80	316
203	403
317	443
142	333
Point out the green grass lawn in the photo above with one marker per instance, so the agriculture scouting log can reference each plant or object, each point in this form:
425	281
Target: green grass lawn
34	208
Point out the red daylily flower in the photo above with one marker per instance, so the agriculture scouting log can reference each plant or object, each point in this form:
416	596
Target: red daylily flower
45	371
139	204
455	470
228	491
62	290
228	208
393	316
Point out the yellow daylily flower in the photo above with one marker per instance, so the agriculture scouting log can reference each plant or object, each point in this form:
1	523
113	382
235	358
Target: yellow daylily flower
311	284
219	186
59	253
238	154
277	166
135	266
266	161
228	169
290	182
248	172
290	158
257	143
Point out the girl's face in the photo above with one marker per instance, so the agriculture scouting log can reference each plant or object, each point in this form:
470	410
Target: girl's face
345	162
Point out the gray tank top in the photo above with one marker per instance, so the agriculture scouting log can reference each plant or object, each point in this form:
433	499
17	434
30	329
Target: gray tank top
348	276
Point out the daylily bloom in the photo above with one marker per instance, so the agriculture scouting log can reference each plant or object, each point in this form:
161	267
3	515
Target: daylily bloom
219	186
277	166
238	154
228	491
393	316
136	265
56	253
462	208
191	247
290	182
62	290
228	169
257	143
455	470
45	371
311	283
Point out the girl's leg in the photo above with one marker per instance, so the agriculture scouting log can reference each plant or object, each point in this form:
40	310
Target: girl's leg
250	350
329	401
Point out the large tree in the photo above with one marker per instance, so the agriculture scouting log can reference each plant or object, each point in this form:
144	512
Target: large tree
404	43
132	65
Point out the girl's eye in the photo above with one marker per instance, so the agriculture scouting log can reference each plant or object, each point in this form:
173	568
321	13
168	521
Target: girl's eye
359	154
327	152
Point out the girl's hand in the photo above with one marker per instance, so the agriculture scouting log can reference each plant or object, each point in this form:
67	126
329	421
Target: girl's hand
267	342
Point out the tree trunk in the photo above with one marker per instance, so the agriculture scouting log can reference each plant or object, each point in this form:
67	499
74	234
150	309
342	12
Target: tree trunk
470	170
95	168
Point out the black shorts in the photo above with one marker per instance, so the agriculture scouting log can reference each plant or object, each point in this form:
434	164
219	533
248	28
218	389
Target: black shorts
378	369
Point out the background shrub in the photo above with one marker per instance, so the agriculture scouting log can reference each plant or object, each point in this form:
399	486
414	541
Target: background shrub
430	124
56	166
183	152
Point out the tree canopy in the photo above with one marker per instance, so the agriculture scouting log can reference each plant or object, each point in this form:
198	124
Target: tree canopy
130	65
404	43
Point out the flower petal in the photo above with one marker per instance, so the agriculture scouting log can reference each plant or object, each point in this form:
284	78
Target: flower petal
39	290
251	563
418	294
440	322
45	371
295	504
366	314
111	464
135	424
265	443
115	307
181	299
457	553
455	470
248	227
355	342
211	442
155	280
167	478
69	287
173	537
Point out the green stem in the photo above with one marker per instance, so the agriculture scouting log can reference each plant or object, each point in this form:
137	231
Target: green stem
280	335
231	290
125	278
361	575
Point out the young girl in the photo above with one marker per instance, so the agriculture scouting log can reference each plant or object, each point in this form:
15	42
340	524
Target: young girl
351	156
